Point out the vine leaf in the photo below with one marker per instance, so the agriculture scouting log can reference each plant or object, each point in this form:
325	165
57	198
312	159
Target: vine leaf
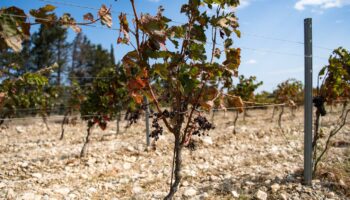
2	98
89	17
154	26
137	83
105	15
15	42
207	105
217	53
43	15
137	97
124	29
68	21
236	101
13	30
233	60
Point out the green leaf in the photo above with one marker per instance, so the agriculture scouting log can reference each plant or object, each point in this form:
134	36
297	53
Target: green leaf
48	8
161	70
322	71
238	32
197	51
228	43
198	33
44	13
187	84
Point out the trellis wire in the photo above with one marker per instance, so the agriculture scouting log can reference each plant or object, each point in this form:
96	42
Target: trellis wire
208	42
231	108
69	4
215	109
48	117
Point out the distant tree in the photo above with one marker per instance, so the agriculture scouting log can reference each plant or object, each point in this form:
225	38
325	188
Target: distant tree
101	59
88	60
49	47
81	53
14	64
111	54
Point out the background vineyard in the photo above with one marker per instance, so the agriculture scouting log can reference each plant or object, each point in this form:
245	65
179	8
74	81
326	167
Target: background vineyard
179	86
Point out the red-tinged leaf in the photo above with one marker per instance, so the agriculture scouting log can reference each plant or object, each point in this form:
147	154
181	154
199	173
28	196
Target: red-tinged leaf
106	118
137	97
96	120
89	17
207	105
136	84
124	29
141	82
119	40
26	29
103	125
144	73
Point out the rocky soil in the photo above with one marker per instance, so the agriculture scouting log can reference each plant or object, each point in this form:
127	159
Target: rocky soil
260	162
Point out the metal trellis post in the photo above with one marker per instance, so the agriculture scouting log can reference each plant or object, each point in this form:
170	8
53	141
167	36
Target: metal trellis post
308	102
147	120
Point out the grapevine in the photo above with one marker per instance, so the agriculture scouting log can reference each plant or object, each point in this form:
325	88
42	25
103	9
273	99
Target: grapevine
334	86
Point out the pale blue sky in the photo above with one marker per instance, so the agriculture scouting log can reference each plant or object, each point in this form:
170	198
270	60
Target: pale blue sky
272	31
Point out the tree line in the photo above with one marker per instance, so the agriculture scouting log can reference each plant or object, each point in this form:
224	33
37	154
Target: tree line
79	60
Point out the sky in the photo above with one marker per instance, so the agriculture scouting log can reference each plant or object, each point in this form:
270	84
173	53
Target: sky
272	31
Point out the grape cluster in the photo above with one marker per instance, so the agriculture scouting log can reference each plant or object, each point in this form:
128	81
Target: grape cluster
168	114
319	104
158	130
132	116
202	125
191	146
